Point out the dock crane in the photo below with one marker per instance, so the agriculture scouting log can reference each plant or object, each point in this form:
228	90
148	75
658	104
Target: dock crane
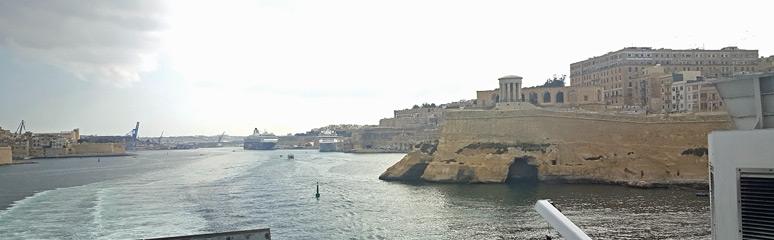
131	143
220	139
20	130
162	135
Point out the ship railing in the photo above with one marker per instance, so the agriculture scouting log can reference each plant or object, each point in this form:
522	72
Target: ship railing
558	221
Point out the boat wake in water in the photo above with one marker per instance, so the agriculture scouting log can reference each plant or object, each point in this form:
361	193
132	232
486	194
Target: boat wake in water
217	190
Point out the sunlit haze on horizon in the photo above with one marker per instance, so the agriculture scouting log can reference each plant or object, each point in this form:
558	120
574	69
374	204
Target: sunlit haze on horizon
204	67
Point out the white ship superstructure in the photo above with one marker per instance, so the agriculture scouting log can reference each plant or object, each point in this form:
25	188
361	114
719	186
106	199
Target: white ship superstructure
327	140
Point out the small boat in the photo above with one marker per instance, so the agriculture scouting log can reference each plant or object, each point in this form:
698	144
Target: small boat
290	156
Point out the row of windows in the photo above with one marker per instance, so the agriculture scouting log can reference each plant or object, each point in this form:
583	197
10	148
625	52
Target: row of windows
675	88
659	55
657	61
674	55
636	71
690	106
594	73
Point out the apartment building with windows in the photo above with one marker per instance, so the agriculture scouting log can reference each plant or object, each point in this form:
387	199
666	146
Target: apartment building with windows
647	88
689	92
765	64
617	71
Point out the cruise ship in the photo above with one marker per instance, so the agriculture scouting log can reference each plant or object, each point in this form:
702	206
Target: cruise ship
260	141
327	140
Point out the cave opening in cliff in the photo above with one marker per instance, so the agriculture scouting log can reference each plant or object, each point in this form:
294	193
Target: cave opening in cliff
521	170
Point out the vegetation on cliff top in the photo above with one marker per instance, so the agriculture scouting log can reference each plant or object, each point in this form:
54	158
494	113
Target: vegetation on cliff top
557	81
503	148
425	105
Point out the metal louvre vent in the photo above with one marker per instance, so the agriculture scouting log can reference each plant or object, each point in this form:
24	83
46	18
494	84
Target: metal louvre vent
756	199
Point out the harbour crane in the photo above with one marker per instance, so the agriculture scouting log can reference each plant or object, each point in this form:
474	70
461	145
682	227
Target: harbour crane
21	128
131	143
162	135
221	137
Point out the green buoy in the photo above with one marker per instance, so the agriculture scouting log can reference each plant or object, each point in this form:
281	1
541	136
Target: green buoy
318	191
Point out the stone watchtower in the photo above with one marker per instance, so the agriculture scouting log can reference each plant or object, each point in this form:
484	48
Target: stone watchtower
510	88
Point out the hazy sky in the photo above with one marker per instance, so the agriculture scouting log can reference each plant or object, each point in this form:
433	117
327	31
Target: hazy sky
204	67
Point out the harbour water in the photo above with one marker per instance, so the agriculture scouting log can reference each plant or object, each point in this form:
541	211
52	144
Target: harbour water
165	193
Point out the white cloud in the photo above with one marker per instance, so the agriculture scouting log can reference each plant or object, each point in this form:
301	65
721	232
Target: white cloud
96	40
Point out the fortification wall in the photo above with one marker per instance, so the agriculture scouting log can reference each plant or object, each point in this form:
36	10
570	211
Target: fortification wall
408	122
6	155
47	152
390	139
99	148
485	146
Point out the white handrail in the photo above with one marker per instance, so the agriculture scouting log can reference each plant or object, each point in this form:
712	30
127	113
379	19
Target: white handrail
558	221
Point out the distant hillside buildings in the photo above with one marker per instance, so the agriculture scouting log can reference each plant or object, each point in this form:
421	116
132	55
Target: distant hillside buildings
29	144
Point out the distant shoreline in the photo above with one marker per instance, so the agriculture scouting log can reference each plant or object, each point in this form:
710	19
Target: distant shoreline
85	155
17	163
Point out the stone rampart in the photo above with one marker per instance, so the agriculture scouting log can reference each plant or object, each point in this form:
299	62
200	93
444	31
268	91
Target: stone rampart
6	155
98	148
389	139
409	122
48	152
495	146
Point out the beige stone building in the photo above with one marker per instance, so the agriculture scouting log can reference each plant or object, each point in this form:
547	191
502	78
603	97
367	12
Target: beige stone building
689	92
709	98
539	96
646	92
615	71
765	64
487	98
548	96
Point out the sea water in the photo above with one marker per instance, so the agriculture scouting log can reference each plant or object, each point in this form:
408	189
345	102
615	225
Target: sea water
168	193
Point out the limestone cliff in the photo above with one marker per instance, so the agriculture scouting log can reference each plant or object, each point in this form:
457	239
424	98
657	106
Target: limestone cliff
496	146
413	165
